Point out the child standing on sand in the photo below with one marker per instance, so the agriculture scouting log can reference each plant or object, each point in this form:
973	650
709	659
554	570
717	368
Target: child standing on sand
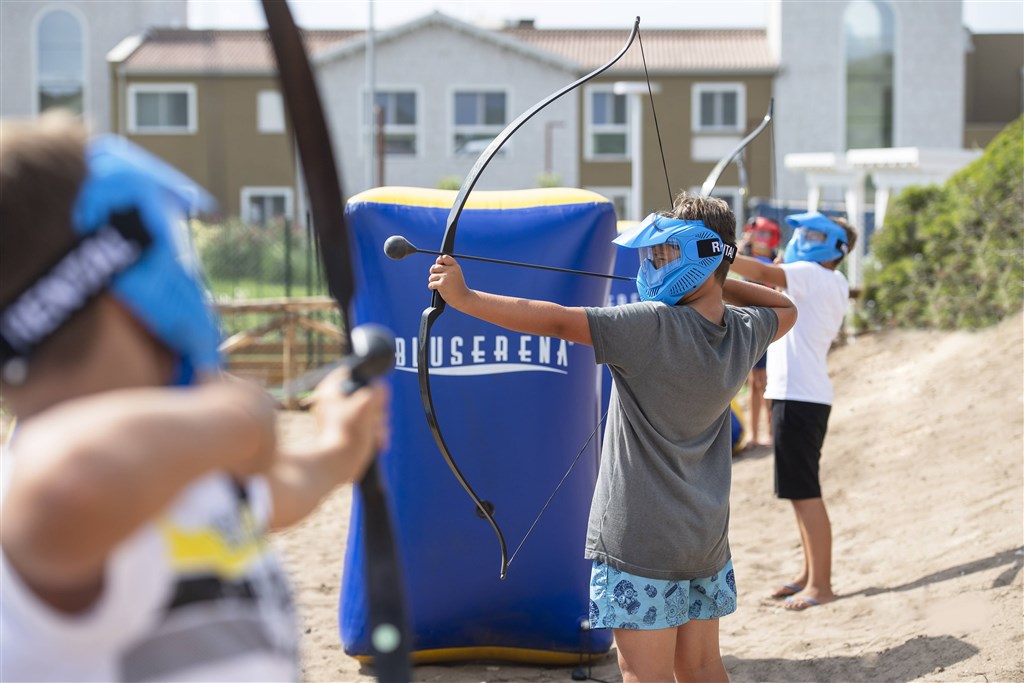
760	241
658	533
800	389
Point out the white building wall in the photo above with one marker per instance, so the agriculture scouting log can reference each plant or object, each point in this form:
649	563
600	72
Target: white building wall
929	79
435	60
810	89
104	25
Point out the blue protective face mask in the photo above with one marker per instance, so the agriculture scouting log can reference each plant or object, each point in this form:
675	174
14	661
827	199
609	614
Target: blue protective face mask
164	290
815	238
676	256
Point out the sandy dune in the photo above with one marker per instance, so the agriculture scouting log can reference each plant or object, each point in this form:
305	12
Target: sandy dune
924	478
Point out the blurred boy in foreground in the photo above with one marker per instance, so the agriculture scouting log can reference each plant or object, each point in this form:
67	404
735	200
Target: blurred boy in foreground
139	484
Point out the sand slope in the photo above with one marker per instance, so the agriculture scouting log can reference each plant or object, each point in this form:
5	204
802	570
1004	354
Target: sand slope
924	479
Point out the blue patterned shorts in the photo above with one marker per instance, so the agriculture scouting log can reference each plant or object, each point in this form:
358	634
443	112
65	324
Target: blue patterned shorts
622	600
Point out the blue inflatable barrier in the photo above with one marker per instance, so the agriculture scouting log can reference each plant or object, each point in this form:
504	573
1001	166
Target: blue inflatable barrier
514	409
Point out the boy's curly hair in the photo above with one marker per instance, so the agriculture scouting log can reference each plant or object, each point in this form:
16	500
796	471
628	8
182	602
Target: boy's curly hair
715	214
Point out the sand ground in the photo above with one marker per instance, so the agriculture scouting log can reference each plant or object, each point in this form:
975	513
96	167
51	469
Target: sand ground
923	474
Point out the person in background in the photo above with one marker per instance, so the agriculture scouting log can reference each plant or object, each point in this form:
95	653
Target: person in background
139	483
760	241
800	389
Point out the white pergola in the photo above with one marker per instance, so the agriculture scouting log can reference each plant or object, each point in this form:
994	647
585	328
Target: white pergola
890	169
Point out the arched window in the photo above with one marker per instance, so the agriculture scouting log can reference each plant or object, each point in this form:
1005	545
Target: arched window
869	32
60	62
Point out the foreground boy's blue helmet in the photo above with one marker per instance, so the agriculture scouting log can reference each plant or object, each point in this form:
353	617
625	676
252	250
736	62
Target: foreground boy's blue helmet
676	256
816	239
129	218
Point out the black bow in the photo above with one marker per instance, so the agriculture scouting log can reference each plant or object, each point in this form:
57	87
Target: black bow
389	636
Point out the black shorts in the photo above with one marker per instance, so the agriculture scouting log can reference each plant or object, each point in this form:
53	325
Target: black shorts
798	429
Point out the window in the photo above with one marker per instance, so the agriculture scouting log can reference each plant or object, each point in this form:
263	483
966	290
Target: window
60	78
265	205
400	121
868	29
607	124
719	107
734	198
479	117
162	108
620	199
269	112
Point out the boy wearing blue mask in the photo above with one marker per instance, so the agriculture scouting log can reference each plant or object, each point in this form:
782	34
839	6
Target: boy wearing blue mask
800	389
138	487
658	533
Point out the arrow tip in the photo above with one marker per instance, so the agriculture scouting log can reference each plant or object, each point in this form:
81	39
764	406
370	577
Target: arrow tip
397	247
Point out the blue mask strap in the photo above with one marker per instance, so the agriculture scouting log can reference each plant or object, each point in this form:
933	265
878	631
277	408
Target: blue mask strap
184	373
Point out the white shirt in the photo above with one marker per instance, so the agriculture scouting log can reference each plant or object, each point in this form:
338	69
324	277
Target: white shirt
796	363
196	595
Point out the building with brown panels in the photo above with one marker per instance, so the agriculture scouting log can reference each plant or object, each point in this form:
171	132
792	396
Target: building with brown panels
993	95
713	86
208	102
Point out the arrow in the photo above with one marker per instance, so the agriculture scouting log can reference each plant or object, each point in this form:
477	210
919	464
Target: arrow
397	248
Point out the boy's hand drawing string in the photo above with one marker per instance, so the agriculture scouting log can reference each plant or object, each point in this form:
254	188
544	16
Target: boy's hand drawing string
371	349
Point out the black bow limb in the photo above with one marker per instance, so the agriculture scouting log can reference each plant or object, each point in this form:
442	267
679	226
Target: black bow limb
371	347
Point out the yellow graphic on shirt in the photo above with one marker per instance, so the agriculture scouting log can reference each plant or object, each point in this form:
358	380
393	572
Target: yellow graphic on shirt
227	552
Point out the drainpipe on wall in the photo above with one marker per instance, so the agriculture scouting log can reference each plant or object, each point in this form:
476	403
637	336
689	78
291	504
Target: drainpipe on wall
122	104
369	117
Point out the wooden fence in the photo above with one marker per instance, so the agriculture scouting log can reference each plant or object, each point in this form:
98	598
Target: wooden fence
285	345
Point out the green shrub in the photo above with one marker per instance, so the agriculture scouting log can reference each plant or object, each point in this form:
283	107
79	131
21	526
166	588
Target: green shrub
546	179
950	257
256	261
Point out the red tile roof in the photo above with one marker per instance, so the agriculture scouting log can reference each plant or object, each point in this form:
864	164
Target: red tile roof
184	50
666	50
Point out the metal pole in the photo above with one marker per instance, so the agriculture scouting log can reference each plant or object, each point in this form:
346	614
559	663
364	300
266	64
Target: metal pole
378	142
371	97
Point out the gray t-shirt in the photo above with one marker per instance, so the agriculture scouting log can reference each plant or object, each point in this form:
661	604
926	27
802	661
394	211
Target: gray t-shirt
661	505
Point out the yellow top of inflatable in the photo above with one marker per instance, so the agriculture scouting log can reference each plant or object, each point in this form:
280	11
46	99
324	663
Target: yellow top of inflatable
478	199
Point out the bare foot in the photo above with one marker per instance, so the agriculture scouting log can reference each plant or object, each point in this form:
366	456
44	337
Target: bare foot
786	590
808	597
753	445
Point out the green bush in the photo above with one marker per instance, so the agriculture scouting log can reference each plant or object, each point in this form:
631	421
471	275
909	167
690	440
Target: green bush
950	257
255	261
546	179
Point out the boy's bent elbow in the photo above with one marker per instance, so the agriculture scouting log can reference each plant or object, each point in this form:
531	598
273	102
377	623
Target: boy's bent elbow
787	316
